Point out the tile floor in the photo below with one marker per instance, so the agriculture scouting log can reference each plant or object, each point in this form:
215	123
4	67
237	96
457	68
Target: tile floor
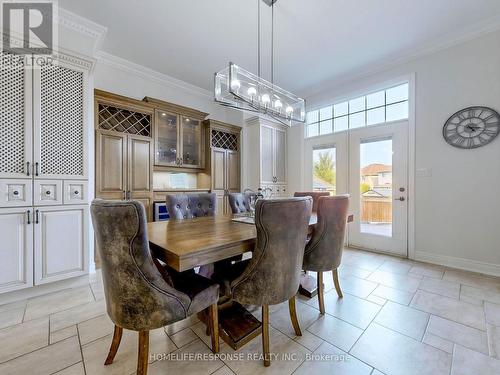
397	317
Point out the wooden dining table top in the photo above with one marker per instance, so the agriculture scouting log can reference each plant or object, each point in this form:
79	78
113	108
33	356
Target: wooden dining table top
186	244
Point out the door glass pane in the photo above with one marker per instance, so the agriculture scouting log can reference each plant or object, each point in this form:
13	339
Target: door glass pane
191	141
166	138
325	127
324	170
376	187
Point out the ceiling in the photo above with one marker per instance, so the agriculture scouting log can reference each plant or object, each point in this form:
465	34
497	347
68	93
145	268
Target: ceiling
316	41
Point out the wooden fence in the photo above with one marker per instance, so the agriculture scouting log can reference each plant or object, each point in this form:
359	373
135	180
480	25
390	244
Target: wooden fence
376	210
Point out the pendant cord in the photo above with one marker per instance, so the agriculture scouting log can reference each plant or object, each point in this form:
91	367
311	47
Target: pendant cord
258	38
272	43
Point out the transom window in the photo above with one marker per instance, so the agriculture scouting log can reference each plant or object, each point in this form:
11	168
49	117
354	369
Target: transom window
382	106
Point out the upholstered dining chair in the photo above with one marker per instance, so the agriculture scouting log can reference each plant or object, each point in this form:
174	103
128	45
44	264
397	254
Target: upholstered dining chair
323	252
239	202
188	206
139	295
272	275
314	195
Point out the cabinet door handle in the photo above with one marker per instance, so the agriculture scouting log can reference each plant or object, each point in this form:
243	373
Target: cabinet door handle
27	168
29	216
124	195
36	217
36	169
180	161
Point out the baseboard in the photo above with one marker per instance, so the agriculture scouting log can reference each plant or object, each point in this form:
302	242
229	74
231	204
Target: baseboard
39	290
460	263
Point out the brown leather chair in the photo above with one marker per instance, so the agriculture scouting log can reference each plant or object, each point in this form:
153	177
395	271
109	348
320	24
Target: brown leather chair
188	206
140	296
314	195
323	252
239	202
272	276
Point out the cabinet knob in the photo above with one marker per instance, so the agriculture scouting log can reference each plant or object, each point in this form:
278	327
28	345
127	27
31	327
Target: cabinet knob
76	192
47	192
15	192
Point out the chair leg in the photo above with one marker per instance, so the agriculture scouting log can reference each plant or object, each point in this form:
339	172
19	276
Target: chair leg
336	282
293	316
117	338
265	335
321	293
214	327
143	355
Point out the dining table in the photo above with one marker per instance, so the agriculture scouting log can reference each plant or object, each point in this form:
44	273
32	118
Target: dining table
186	244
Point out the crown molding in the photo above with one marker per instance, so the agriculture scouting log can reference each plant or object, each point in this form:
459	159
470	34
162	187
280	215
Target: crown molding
449	40
150	74
82	26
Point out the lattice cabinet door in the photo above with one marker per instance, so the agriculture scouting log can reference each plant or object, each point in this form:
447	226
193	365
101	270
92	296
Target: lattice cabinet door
15	118
59	131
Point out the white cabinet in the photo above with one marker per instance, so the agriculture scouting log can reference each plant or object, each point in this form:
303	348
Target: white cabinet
268	150
16	248
60	241
43	173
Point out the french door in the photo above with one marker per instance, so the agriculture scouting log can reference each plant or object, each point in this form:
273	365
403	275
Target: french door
371	165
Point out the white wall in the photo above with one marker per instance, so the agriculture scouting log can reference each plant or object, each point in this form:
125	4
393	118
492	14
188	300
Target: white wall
458	207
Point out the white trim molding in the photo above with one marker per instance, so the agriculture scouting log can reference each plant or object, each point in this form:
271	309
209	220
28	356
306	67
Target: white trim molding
82	26
149	74
460	263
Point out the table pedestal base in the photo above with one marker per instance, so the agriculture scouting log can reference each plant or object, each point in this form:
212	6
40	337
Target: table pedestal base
308	286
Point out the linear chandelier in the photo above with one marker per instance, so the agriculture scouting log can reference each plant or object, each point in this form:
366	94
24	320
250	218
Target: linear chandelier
238	88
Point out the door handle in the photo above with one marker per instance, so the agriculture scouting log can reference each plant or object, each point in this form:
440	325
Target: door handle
36	217
27	168
28	214
401	199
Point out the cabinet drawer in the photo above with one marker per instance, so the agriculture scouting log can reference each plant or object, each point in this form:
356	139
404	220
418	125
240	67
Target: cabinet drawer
47	192
75	192
15	193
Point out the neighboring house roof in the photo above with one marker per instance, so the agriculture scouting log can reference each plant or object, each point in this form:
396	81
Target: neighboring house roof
381	192
375	169
319	183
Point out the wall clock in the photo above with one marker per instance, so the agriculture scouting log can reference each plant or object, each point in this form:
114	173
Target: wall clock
472	127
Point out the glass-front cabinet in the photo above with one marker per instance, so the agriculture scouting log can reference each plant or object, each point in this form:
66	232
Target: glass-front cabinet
178	134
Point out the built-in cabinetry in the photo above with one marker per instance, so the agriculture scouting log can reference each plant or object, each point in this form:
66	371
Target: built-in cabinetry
267	149
123	149
43	173
223	161
178	136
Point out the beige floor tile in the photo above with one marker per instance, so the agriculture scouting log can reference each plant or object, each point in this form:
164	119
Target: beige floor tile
11	317
395	295
395	267
280	344
467	362
224	370
376	299
336	332
396	281
459	334
479	294
449	308
492	313
471	300
95	328
199	330
403	319
58	301
308	340
356	286
396	354
442	287
183	337
365	263
98	291
438	342
13	305
76	369
494	341
45	361
180	325
345	270
125	361
183	362
338	362
280	319
63	334
23	338
429	270
76	315
353	310
473	279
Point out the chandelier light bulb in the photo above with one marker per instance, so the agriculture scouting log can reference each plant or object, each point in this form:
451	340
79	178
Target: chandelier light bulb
277	104
235	84
265	99
252	91
289	110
